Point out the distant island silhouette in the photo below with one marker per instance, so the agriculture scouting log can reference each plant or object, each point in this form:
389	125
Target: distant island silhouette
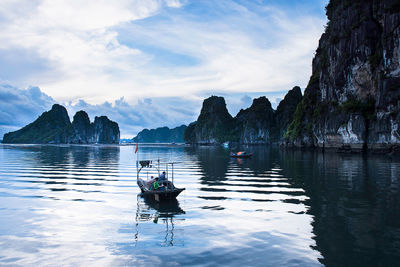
55	127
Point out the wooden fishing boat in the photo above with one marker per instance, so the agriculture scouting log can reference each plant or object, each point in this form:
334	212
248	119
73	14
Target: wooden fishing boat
241	154
166	189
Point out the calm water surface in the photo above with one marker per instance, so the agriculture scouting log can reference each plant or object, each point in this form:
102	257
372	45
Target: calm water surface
79	206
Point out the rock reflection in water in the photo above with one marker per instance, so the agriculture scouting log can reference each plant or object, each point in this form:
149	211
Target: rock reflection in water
355	203
162	213
213	161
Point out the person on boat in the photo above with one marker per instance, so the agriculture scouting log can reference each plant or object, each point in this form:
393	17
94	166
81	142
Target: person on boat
150	182
155	185
162	178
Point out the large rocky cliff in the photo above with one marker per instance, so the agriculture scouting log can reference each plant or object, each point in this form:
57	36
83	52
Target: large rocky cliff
213	125
352	100
285	110
105	131
54	127
81	130
258	124
255	124
45	129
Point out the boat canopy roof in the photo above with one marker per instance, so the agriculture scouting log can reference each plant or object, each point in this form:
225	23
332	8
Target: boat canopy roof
145	163
154	163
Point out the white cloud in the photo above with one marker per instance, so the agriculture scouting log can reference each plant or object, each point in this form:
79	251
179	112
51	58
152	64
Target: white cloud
146	113
76	37
91	14
20	107
174	3
230	57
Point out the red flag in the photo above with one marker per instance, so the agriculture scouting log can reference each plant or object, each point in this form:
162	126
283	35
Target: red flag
137	147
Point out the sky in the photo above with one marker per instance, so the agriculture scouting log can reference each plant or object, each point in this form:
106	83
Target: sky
151	63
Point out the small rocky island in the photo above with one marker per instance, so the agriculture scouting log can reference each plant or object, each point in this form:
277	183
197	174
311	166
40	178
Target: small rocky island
55	127
161	135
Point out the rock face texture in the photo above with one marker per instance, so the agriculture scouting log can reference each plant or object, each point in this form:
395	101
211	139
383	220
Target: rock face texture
81	130
105	131
352	100
54	127
161	135
285	110
258	124
213	125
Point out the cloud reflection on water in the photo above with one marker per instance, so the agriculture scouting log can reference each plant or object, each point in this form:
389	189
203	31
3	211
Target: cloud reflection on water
278	208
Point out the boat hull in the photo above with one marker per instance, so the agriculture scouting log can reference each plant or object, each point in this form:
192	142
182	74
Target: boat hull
242	156
158	195
162	195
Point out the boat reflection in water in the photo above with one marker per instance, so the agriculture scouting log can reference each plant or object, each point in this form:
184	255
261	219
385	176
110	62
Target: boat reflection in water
157	222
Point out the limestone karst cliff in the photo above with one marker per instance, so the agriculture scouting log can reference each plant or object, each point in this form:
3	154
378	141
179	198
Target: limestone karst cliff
258	124
81	130
45	129
352	100
255	124
54	127
285	110
213	125
106	131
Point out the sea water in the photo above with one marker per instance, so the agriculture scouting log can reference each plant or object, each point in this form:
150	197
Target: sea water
80	206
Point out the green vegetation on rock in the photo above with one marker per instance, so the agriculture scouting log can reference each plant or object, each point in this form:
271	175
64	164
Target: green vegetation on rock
48	128
296	126
367	108
54	127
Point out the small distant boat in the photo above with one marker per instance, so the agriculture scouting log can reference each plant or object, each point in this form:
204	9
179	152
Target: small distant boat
225	145
241	154
166	189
